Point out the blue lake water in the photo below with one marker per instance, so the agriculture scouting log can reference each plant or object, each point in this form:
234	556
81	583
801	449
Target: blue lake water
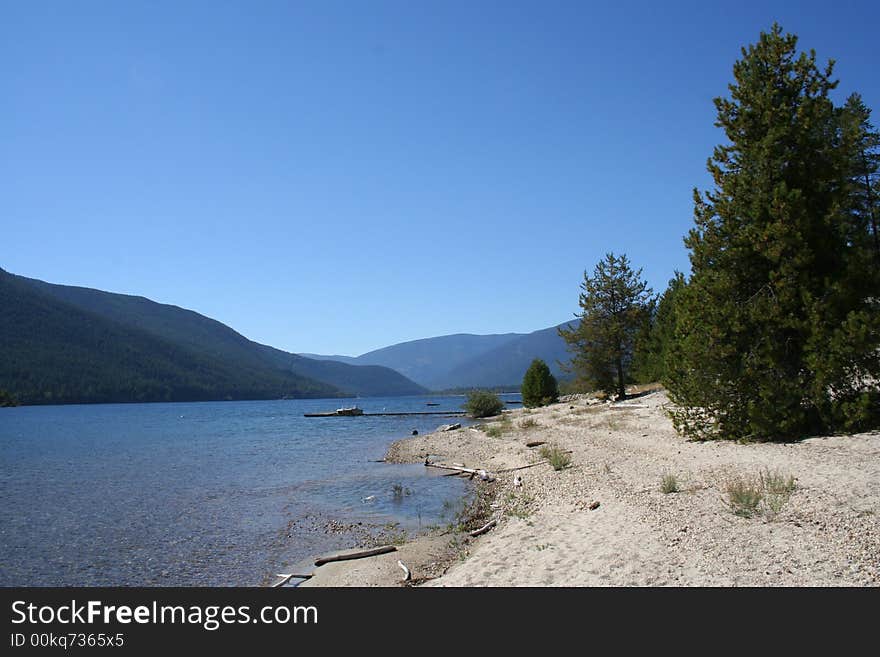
215	493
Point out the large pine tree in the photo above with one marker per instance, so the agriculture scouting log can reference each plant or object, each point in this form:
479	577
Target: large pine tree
614	305
777	332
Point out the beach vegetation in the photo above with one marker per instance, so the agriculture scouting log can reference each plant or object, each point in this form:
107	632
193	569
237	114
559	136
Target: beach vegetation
556	457
473	511
744	495
529	423
777	488
482	403
669	484
776	335
615	304
519	505
766	493
539	386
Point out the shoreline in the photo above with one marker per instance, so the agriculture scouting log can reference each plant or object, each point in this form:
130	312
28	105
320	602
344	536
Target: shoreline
824	531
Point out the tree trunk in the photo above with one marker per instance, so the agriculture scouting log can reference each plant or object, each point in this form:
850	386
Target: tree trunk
621	389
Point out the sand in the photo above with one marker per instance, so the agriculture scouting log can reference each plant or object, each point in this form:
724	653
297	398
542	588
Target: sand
826	533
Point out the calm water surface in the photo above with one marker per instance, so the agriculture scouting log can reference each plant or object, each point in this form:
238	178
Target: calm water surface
217	493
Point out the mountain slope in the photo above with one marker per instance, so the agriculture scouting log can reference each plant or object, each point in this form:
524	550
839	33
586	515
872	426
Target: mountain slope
505	365
213	341
469	361
429	360
54	352
366	380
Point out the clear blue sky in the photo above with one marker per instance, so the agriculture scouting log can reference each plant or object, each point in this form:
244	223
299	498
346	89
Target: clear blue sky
338	176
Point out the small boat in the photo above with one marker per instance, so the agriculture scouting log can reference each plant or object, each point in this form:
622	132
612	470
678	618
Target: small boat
349	410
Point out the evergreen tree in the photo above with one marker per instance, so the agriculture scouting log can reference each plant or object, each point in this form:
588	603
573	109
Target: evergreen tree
483	403
777	332
861	141
614	303
655	338
539	386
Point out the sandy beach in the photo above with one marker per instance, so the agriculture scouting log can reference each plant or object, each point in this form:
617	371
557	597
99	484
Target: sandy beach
824	532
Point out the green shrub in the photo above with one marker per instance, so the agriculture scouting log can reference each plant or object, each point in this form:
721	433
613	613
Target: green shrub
494	431
556	457
669	484
744	495
767	493
482	403
539	386
777	489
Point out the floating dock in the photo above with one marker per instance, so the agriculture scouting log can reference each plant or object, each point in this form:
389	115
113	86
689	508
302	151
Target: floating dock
335	414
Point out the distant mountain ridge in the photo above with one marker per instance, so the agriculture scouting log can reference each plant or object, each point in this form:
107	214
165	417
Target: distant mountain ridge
506	364
426	360
468	361
66	344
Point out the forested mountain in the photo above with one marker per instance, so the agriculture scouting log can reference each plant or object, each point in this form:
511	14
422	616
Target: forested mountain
505	365
68	344
468	361
54	352
358	379
427	361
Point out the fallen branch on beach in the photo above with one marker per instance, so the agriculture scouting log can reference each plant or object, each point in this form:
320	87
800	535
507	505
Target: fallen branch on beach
285	578
482	530
407	576
356	555
536	443
483	474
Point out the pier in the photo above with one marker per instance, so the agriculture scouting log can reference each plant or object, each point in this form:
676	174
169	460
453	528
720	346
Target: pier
334	414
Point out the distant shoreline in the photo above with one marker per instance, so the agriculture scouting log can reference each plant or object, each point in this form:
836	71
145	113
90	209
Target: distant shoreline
214	401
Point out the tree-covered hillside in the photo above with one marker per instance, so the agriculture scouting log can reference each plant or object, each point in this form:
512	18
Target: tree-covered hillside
212	339
54	352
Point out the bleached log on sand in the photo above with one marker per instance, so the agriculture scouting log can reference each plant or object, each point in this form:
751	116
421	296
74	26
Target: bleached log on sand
286	577
407	576
482	530
479	472
356	555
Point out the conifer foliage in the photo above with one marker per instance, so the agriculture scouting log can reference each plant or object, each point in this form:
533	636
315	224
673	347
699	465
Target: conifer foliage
539	386
655	338
615	303
778	329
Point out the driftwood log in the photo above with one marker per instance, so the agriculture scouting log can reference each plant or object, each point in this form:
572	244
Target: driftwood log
482	474
407	576
536	443
285	578
482	530
356	555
